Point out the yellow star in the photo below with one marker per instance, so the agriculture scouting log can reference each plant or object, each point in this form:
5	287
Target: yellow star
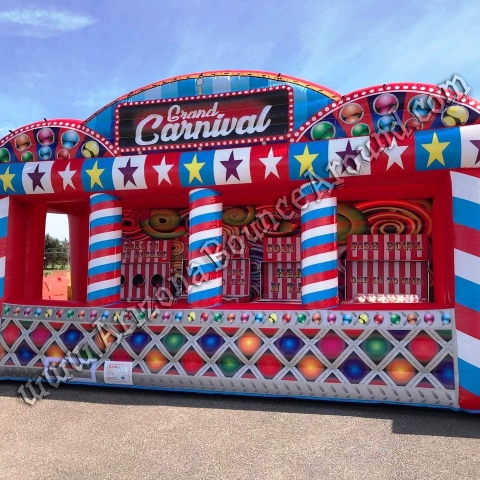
194	169
306	160
7	178
435	150
94	175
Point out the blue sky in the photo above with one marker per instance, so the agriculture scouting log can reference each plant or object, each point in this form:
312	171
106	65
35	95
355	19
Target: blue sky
69	58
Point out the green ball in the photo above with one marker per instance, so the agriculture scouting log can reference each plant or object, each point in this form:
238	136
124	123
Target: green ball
27	157
377	348
4	155
174	342
229	364
217	317
360	129
141	316
301	318
323	131
70	314
6	310
395	319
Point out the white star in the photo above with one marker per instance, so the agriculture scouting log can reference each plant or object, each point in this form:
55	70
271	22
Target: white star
67	175
163	170
394	153
270	163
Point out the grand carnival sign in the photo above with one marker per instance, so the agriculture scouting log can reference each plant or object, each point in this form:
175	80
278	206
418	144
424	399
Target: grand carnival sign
254	116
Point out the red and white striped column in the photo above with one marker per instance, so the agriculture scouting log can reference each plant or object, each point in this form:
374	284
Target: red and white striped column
319	247
105	250
205	248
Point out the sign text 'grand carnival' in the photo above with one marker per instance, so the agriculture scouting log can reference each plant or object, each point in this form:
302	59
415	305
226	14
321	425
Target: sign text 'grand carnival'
222	119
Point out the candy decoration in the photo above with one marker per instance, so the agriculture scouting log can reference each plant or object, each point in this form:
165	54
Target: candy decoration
319	248
105	250
205	243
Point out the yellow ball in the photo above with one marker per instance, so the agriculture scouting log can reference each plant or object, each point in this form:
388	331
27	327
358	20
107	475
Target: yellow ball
191	316
272	318
90	149
363	318
455	115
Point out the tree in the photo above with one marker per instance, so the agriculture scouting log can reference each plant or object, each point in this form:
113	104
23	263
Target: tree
56	252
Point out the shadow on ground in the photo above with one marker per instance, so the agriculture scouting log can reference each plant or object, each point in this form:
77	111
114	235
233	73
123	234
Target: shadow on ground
406	420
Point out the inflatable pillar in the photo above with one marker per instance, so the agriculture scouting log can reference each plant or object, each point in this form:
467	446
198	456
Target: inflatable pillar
319	247
4	207
205	248
105	250
466	232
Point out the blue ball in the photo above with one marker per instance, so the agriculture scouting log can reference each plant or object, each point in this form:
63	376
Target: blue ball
210	343
45	153
71	338
446	318
259	317
386	123
289	345
24	353
105	314
347	318
138	341
70	139
179	316
38	312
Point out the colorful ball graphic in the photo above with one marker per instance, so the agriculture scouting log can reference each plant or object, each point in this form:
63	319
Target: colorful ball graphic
347	319
27	312
40	335
105	314
22	142
179	316
48	312
351	113
322	131
27	157
45	153
445	373
385	104
191	317
45	136
259	317
17	310
249	343
138	341
192	362
231	317
55	351
24	353
386	124
166	316
331	318
4	155
378	319
90	149
244	317
272	318
376	346
424	348
454	116
71	338
363	318
6	310
70	139
301	318
10	334
211	342
174	341
63	154
446	318
204	317
229	364
155	360
70	313
287	318
395	319
59	313
316	318
289	345
310	367
360	130
217	317
354	369
93	315
413	125
331	346
421	107
400	371
37	312
429	318
81	314
269	365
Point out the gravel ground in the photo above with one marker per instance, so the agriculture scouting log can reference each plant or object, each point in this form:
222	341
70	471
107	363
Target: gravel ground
101	433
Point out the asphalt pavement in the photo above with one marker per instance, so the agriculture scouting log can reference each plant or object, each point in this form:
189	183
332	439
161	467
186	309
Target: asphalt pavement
80	432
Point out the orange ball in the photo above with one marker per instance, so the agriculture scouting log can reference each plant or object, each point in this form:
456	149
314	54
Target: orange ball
249	343
310	367
155	360
401	371
55	351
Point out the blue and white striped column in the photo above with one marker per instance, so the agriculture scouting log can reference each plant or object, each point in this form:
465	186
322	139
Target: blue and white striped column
466	234
205	248
4	206
319	247
105	250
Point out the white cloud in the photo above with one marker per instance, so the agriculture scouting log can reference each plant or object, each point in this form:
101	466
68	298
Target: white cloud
42	23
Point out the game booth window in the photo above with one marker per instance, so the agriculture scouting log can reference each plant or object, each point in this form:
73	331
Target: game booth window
251	233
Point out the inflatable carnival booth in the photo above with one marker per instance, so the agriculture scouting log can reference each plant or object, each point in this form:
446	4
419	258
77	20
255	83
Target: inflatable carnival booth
252	233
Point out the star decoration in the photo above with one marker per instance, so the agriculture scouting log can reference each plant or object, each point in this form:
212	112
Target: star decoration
95	174
476	143
6	179
348	157
162	171
128	172
67	176
270	163
435	150
36	177
394	153
194	169
231	165
306	161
